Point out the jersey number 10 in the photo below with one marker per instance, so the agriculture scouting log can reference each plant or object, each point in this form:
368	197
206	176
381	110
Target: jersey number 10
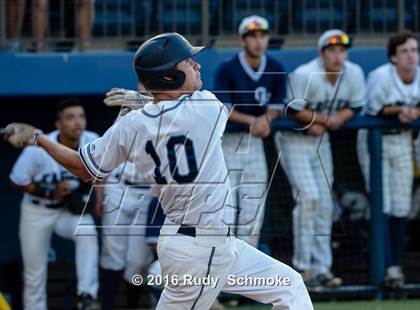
170	147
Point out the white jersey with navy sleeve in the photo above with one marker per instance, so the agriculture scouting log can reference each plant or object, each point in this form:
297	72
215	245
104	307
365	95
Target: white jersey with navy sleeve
309	82
128	173
35	164
175	145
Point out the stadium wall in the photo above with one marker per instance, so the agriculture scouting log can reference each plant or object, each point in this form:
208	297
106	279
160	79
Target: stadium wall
95	73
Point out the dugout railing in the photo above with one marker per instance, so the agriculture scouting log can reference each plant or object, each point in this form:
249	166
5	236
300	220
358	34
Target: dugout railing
376	221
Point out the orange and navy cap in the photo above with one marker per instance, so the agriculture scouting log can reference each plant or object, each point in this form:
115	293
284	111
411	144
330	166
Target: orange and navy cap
333	37
253	23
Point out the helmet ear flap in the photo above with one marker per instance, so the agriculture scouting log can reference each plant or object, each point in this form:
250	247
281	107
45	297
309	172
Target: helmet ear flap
175	81
163	80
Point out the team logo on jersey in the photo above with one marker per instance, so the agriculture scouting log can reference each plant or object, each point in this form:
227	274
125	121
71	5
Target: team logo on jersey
261	95
51	179
325	106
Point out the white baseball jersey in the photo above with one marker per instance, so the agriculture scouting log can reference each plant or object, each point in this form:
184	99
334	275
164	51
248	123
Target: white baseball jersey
309	81
386	88
176	145
128	171
35	164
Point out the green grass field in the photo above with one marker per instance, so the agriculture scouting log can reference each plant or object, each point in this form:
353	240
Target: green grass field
413	304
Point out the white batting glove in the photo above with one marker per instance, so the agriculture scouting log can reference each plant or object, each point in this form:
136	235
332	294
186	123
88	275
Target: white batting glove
20	135
120	97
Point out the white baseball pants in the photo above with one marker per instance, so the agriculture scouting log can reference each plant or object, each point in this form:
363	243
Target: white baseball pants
37	224
397	170
307	162
245	159
224	259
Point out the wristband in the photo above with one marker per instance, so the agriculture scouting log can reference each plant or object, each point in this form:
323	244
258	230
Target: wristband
35	136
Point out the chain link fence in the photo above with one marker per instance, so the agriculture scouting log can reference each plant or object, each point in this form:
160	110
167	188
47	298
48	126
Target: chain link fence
114	23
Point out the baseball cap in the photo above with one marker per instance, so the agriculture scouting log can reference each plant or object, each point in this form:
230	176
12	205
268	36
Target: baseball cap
333	37
252	23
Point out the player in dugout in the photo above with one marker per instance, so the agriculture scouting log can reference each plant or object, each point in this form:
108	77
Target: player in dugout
394	93
324	93
54	202
252	85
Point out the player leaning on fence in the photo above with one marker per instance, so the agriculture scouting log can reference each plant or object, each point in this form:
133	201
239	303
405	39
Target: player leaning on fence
176	142
333	87
394	93
252	85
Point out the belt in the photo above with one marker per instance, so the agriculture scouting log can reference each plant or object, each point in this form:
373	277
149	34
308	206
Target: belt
50	205
133	184
391	131
191	231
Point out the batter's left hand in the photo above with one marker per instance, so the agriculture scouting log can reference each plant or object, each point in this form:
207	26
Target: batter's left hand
20	135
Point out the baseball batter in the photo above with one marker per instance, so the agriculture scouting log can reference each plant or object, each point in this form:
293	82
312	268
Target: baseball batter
176	142
252	85
44	211
394	92
324	93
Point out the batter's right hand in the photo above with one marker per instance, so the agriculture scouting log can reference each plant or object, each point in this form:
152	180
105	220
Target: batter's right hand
20	135
120	97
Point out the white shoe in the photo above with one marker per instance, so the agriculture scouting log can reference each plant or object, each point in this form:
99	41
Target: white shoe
394	277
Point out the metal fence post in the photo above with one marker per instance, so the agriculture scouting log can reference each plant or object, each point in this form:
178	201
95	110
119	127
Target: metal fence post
3	24
377	242
205	20
401	15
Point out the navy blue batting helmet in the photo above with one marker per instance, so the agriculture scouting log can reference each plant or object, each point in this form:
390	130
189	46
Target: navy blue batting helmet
155	61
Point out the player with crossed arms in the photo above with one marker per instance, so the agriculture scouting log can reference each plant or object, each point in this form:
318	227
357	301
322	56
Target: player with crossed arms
176	142
394	93
252	85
